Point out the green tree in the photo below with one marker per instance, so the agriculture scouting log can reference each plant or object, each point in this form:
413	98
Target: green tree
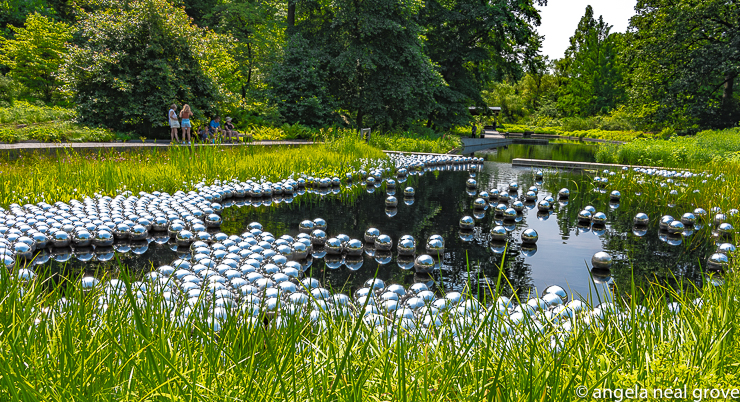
473	43
133	62
36	52
685	56
593	69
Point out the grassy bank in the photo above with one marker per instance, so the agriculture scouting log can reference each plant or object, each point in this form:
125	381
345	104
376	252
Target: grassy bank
36	177
707	147
94	347
609	135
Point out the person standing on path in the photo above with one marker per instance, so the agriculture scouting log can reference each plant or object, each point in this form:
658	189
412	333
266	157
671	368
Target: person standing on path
174	123
185	115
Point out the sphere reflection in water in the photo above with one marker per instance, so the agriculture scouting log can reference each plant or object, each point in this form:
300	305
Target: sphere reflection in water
601	260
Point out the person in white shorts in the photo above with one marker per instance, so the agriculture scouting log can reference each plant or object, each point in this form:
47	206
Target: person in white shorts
174	124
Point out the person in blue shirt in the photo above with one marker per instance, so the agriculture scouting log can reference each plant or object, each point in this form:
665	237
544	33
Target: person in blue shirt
214	127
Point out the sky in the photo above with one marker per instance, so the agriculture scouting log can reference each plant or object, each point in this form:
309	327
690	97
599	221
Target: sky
560	20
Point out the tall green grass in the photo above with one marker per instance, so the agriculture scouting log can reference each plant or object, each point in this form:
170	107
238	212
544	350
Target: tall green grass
26	113
707	147
36	177
60	344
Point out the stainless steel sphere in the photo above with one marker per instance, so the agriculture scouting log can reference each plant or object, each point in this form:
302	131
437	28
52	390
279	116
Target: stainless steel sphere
371	234
513	187
184	238
318	237
138	232
436	237
518	206
306	226
480	203
498	233
391	201
61	239
726	248
725	230
353	247
718	261
543	206
665	221
333	246
409	192
467	222
499	210
700	214
557	291
599	218
319	223
424	264
471	183
530	196
584	216
675	227
601	260
383	243
720	218
564	193
530	236
435	247
406	247
510	214
615	195
82	238
641	219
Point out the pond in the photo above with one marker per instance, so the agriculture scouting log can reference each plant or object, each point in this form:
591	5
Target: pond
562	255
559	151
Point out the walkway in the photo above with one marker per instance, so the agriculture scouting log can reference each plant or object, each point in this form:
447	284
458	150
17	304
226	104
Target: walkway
33	146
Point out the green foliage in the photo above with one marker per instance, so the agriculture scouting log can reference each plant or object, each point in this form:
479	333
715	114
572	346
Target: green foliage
36	52
584	132
9	90
57	132
685	62
26	113
133	62
707	147
408	142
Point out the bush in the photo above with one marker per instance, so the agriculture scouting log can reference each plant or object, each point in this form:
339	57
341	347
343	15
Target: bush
22	112
56	133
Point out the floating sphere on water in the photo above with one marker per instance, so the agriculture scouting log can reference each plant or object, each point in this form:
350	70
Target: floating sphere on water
641	219
599	218
480	203
103	238
88	283
726	248
471	183
371	234
518	206
424	264
543	206
700	214
718	261
513	187
615	195
675	227
688	219
530	236
319	223
564	193
409	192
391	201
213	221
510	214
665	221
306	226
390	183
435	247
601	260
590	208
538	174
383	243
318	237
584	216
719	218
467	222
557	291
406	247
333	246
530	196
353	247
498	233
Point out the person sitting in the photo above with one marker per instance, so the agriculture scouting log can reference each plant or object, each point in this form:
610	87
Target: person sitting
229	130
214	128
203	134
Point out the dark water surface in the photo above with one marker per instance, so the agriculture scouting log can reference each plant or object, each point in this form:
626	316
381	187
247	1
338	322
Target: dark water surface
559	151
562	255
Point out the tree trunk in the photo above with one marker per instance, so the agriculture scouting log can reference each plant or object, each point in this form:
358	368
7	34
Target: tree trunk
727	98
291	16
360	115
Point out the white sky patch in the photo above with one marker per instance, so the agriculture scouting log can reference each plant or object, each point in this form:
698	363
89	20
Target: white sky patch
560	20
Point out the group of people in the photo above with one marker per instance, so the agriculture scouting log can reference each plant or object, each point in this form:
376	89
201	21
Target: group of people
210	132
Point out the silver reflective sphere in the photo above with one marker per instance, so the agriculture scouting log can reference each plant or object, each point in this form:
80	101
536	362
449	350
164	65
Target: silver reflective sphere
601	260
700	214
353	247
306	226
726	248
530	236
510	214
424	264
409	192
391	201
498	233
406	247
333	246
718	261
530	196
725	230
615	195
641	219
319	223
688	219
556	290
471	183
435	247
564	193
318	237
599	218
467	222
480	203
665	221
513	186
518	206
543	206
383	243
584	216
371	234
675	227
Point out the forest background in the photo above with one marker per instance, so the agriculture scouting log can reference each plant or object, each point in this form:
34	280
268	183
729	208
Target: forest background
287	69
